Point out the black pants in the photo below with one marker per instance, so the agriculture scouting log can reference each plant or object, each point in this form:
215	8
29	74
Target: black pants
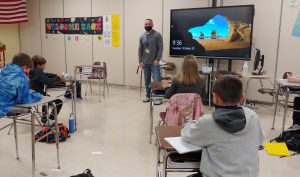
296	115
58	104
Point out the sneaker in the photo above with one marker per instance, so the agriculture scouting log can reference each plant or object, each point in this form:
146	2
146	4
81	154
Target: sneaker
157	102
147	99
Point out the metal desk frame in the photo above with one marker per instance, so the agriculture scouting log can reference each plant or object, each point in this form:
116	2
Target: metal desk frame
166	150
93	67
283	88
33	115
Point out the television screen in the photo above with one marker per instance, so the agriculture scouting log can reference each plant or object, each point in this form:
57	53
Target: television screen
214	32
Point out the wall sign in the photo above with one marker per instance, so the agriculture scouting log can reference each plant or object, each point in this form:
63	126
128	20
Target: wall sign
78	25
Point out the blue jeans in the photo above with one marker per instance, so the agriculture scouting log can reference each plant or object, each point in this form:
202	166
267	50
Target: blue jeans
148	69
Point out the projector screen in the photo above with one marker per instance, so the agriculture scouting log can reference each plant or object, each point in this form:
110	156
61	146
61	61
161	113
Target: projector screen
214	32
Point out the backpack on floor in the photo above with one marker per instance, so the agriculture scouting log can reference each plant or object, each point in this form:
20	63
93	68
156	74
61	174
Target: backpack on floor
50	138
86	173
291	137
78	91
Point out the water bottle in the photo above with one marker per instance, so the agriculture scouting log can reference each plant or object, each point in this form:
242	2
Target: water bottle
71	123
245	69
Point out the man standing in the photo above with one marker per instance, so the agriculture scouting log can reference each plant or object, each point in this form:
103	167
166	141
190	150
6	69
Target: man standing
150	53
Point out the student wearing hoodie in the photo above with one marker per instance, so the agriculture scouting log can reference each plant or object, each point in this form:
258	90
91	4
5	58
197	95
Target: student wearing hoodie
38	79
230	136
14	85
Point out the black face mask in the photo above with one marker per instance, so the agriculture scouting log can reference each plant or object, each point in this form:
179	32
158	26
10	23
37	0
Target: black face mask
148	28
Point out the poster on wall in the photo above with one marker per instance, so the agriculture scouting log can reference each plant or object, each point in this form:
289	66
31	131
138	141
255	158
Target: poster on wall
115	25
107	30
76	25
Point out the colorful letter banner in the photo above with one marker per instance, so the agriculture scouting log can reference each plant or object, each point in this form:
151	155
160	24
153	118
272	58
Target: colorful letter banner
78	25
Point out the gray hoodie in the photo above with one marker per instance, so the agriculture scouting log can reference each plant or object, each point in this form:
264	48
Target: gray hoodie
230	138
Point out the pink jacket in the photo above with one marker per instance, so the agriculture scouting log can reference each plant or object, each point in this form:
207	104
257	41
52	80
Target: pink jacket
183	107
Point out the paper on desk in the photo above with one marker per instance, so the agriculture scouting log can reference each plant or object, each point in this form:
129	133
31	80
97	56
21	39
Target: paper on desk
181	146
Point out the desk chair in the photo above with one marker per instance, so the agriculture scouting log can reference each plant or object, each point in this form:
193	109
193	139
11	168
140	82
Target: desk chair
171	161
167	66
157	92
286	90
182	107
98	74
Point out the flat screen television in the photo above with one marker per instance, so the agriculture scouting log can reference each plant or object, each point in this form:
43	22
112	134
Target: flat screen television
213	32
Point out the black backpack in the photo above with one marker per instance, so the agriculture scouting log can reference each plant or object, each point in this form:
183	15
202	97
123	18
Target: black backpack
86	173
78	91
291	137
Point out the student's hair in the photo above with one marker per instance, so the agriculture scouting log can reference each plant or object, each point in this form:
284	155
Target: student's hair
38	60
22	59
189	74
229	89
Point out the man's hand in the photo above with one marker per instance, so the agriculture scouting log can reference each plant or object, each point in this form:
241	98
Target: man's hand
155	63
142	65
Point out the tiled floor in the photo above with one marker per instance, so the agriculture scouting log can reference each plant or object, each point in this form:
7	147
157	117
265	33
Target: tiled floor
118	128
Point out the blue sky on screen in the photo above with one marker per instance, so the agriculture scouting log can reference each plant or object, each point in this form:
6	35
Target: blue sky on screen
218	23
296	30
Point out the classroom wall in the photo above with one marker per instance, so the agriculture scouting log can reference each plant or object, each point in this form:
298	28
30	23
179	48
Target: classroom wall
122	61
9	35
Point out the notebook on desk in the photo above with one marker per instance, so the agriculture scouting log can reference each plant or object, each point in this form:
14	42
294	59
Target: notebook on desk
181	146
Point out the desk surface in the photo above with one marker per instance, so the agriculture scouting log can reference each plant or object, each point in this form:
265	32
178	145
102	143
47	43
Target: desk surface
285	83
218	74
164	132
45	99
158	85
257	76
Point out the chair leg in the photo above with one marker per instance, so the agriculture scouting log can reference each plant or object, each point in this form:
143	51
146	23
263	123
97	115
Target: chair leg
104	88
11	126
107	86
87	85
16	136
91	87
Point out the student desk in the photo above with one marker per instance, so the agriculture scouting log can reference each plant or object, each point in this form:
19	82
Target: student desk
287	89
34	115
163	165
256	77
79	70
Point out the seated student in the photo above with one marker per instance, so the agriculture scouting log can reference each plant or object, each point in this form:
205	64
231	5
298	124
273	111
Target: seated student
38	79
188	80
296	114
230	136
14	85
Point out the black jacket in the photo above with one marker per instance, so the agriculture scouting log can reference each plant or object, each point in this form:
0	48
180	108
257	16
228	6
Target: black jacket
38	79
176	87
